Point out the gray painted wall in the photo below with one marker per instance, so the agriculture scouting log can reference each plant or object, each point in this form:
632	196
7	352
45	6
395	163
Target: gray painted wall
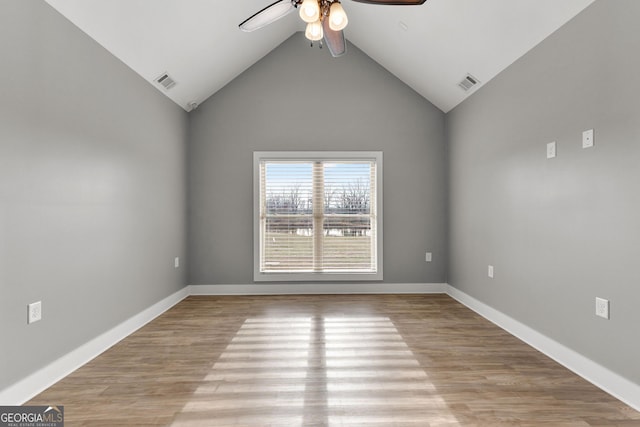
92	189
298	98
561	231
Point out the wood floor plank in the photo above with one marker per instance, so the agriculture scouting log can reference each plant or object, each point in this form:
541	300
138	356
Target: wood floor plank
328	360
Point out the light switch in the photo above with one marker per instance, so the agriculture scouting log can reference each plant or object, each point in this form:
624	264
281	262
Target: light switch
551	150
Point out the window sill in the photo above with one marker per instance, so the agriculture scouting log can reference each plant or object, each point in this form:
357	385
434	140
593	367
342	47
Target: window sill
317	277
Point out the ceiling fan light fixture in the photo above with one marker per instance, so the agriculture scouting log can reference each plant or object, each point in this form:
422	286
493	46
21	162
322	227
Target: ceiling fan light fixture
314	31
325	19
337	17
310	11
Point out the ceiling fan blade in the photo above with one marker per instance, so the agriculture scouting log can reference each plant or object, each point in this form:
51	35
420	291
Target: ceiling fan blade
266	16
393	2
334	40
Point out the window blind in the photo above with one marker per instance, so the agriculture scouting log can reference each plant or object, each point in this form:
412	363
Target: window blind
318	216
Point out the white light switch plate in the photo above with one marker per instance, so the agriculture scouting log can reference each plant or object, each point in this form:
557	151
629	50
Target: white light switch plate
490	271
551	150
587	138
176	262
428	257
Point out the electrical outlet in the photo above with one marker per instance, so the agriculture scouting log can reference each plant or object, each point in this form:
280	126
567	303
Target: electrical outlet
428	257
602	307
551	150
587	138
176	262
34	312
490	271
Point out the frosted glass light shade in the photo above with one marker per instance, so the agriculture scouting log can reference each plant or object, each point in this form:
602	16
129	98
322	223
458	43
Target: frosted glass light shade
314	31
337	17
309	11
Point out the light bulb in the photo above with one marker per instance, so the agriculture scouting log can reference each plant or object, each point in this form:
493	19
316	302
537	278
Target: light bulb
337	17
309	11
314	31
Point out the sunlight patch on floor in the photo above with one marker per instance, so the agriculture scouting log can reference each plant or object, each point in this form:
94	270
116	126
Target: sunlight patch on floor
316	370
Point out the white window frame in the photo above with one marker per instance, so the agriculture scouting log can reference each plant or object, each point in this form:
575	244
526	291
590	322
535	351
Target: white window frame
259	156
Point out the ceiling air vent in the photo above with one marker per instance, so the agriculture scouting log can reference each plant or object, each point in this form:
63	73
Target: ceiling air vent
165	81
468	82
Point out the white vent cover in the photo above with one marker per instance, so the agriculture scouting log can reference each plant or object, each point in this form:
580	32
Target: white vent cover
165	81
468	82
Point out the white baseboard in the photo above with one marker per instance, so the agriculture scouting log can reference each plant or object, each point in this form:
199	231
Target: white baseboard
318	288
40	380
603	378
619	387
27	388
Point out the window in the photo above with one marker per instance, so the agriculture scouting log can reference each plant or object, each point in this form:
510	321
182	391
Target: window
317	216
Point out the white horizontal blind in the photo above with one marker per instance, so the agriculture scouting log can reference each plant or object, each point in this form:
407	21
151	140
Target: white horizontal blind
318	216
349	228
286	217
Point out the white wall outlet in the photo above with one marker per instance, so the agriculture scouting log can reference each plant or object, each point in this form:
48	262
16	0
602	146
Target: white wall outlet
490	271
587	138
428	257
602	307
176	262
34	312
551	150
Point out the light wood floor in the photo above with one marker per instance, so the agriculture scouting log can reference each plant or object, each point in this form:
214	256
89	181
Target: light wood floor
388	360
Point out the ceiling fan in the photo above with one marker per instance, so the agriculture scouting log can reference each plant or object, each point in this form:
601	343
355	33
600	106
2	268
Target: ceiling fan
325	19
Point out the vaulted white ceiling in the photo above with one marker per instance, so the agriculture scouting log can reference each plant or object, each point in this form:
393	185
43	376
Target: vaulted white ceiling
430	47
